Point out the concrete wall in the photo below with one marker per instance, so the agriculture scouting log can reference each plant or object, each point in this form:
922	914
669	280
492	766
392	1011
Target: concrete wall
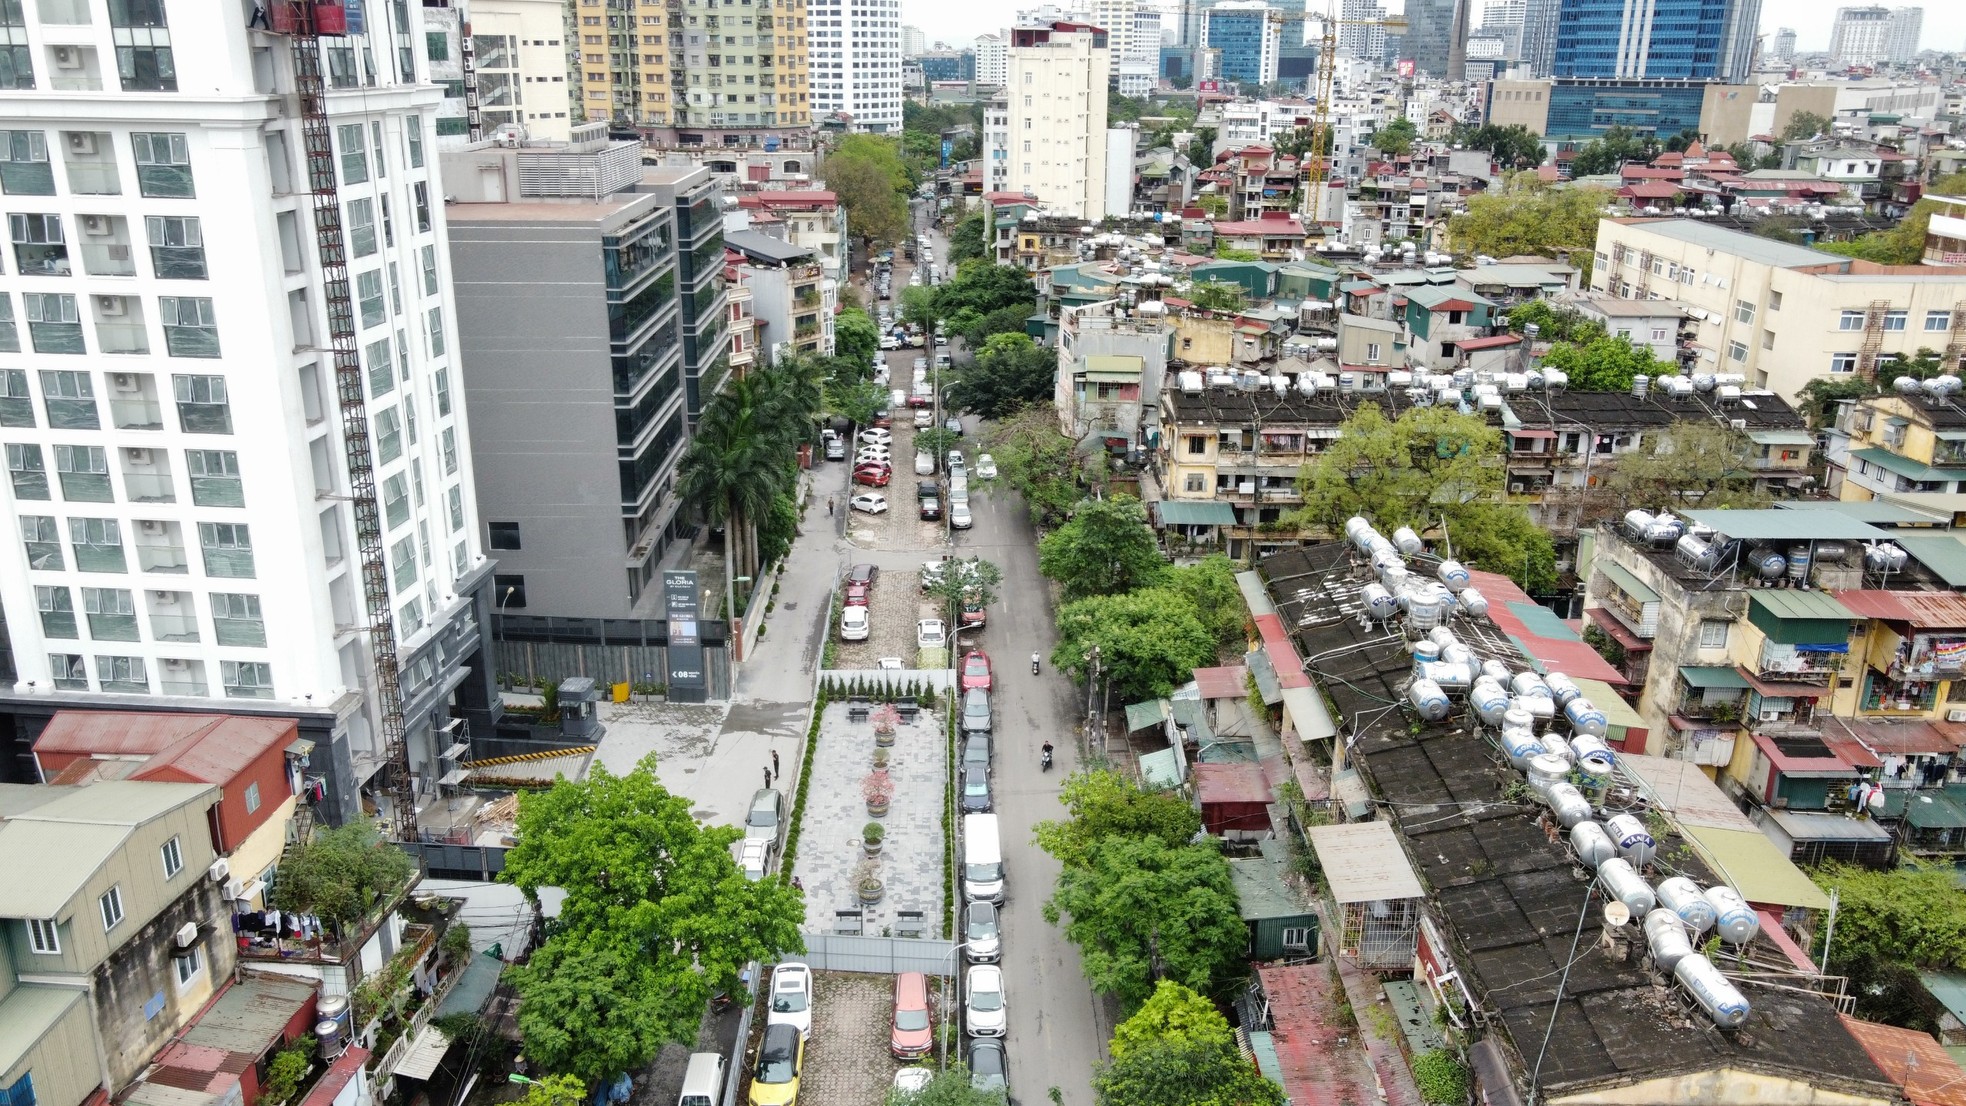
1523	102
139	1002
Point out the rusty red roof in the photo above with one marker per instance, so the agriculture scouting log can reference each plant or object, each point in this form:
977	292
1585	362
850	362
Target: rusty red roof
1914	1061
1304	1005
1650	190
1493	341
1230	681
1234	782
329	1086
812	198
185	748
1928	609
1282	652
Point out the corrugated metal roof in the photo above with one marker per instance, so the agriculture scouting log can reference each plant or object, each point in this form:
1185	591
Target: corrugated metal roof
1913	1060
1226	682
1934	810
28	1013
44	865
1241	782
1775	524
1875	511
1797	603
1261	892
1628	582
1925	609
1705	676
1757	869
1195	512
250	1015
1363	862
1781	437
1907	467
470	993
1680	786
1943	554
1139	716
424	1054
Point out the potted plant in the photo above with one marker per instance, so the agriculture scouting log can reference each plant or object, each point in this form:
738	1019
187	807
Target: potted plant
870	837
880	757
878	790
885	719
868	882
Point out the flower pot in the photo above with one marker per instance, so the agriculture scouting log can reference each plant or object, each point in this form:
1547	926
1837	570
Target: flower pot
880	758
883	739
877	808
873	848
871	892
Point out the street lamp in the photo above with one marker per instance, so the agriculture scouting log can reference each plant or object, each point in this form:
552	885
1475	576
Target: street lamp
943	1034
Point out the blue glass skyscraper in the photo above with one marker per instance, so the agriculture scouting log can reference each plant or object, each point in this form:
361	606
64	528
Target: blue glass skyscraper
1662	39
1249	36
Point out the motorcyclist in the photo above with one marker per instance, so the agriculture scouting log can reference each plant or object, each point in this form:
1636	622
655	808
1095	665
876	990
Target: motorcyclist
1034	664
1044	756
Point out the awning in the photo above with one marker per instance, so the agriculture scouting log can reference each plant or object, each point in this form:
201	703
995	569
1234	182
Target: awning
1305	707
1195	512
474	988
1934	810
1747	859
1525	433
1111	376
1707	677
425	1053
1781	437
1902	466
1771	690
1628	583
1139	716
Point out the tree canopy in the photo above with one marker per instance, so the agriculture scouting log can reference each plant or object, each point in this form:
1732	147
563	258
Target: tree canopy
967	240
983	286
1689	464
855	337
949	1087
1210	585
1501	537
1009	372
1106	548
1605	364
1513	147
1142	911
1528	219
867	174
1615	147
1037	462
656	916
1184	1074
1175	1016
1404	471
1148	641
1102	805
1804	125
1554	323
1396	138
1889	927
1903	243
341	874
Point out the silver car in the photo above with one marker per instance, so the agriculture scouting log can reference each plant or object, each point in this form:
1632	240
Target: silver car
982	933
976	711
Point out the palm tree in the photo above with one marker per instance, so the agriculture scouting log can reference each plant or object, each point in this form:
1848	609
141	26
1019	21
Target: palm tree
736	466
795	392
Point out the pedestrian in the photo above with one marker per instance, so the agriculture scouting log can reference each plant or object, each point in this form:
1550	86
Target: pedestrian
829	505
774	762
767	775
259	19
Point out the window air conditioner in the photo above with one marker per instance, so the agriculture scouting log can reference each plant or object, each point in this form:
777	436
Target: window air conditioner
81	142
187	935
1956	714
125	382
111	306
219	870
68	57
97	225
137	455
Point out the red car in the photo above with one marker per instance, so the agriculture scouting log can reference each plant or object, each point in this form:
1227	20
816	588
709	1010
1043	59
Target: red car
976	669
884	419
874	476
858	594
919	400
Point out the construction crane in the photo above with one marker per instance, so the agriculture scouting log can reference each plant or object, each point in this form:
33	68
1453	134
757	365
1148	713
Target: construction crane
1317	165
305	22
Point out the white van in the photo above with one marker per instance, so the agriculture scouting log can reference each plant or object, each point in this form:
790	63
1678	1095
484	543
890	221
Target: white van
958	489
703	1080
982	859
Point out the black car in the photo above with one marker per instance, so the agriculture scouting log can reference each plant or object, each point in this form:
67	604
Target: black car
976	790
987	1070
976	750
930	499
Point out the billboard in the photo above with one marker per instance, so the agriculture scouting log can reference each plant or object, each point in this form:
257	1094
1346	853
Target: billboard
1208	86
1404	67
687	681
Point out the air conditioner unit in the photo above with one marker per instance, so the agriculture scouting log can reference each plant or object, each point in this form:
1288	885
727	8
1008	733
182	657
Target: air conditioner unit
219	870
1956	714
112	306
137	455
98	225
166	597
1771	716
68	57
150	526
81	142
234	889
176	664
125	382
1517	487
187	935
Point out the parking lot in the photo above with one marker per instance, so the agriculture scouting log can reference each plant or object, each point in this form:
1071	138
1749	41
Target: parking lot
847	1057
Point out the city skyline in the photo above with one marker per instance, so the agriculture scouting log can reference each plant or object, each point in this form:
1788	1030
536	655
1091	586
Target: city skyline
1944	28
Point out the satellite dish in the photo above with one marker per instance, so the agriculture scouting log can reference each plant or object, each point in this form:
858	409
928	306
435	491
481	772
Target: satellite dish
1616	913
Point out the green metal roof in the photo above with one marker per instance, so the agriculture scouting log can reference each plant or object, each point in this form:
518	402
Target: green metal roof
1796	603
474	988
1706	676
1628	583
1160	769
1796	617
1949	988
1604	697
1434	294
1774	524
1139	716
1943	553
1876	511
1261	892
1781	437
1761	872
1903	466
1935	810
1196	512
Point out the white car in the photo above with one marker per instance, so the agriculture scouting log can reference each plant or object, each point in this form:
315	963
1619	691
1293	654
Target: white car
983	1001
924	463
957	467
959	516
889	341
752	859
986	466
873	454
921	367
876	435
853	624
930	633
791	997
912	1080
872	503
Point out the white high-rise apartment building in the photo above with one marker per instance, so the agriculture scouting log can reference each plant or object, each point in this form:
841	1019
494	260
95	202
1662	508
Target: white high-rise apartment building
1057	105
184	524
1901	39
996	144
913	42
1504	13
519	66
1859	35
854	49
992	60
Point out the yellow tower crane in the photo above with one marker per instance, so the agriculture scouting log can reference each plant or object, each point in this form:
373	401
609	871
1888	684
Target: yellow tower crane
1317	166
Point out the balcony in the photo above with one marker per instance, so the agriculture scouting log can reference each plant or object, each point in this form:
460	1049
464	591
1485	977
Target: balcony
174	627
136	414
149	487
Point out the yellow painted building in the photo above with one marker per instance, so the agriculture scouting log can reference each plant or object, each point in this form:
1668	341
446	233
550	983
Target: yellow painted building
691	63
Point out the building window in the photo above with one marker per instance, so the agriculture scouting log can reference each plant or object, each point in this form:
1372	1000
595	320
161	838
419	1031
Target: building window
1767	339
504	535
203	404
246	679
44	936
368	293
190	326
455	498
98	544
123	674
189	964
402	563
510	592
177	247
29	472
24	166
1297	938
382	367
143	46
112	907
54	324
447	446
163	165
70	399
42	539
1850	320
1896	320
361	227
57	608
1713	633
252	797
429	270
353	139
1737	351
396	501
236	620
388	436
436	332
1843	362
16	401
69	673
173	853
1372	353
84	471
436	46
1743	311
112	614
228	549
215	480
1196	482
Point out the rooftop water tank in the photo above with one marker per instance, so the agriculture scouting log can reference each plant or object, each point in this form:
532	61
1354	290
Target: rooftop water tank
1715	993
1545	771
1683	897
1520	744
1428	700
1557	747
1497	670
1561	688
1406	541
1473	602
1380	606
1769	564
1571	808
1585	718
1528	685
1666	938
1634	841
1489	701
1733	917
1620	881
1591	844
1594	757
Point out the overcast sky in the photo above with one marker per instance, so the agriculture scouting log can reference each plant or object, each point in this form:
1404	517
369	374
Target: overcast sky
1945	21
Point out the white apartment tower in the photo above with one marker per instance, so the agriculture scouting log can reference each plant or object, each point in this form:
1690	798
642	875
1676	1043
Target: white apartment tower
992	60
855	49
232	417
1860	36
1901	39
512	69
913	42
1056	100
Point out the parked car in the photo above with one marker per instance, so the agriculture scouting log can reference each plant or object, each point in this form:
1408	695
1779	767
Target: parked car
855	624
924	418
858	595
976	791
791	997
781	1054
863	574
924	463
959	516
982	933
988	1071
912	1080
836	449
876	436
930	633
976	711
869	502
984	1011
910	1037
986	466
929	498
976	670
753	859
889	341
974	615
976	751
872	475
953	426
766	820
957	466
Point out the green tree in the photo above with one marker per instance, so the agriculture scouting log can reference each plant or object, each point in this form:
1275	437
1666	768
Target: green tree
1513	147
1216	295
1904	242
966	241
1210	585
1201	148
1821	397
1010	372
1176	1016
1554	323
1804	125
555	1090
983	287
656	916
1223	252
949	1087
1297	142
1183	1074
1395	139
1613	148
1678	143
1689	464
1037	462
743	456
1213	204
1501	537
1142	911
980	328
341	874
1890	926
1148	641
1102	805
857	401
1106	548
1603	364
1401	472
970	581
855	337
1525	219
867	174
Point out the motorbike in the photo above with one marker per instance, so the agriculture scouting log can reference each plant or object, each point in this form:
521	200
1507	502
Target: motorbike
1034	664
1044	759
